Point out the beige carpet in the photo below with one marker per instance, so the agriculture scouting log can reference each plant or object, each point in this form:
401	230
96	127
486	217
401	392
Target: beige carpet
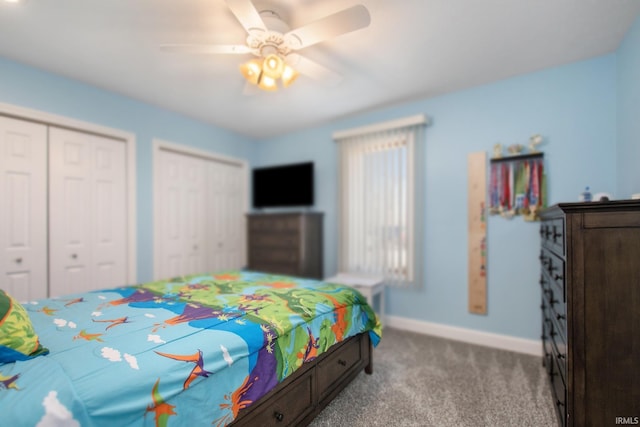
420	380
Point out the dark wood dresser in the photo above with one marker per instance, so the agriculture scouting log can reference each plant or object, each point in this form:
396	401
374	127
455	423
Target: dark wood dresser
590	280
286	243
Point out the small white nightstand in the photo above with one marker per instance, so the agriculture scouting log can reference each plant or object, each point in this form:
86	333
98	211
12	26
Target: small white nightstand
368	286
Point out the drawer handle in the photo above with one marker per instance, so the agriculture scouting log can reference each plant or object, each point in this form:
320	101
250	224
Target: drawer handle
18	260
278	416
74	256
342	362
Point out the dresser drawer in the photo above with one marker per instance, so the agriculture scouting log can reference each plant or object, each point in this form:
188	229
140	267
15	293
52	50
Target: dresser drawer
274	224
298	397
273	255
560	355
552	235
559	314
556	308
334	367
554	268
547	346
289	240
553	300
559	395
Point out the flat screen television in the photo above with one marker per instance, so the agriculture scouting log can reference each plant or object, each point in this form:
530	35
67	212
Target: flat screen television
283	185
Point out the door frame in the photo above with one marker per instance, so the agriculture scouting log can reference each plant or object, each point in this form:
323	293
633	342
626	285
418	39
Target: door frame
163	145
128	138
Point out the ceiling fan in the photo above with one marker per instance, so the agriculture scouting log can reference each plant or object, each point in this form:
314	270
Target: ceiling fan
274	45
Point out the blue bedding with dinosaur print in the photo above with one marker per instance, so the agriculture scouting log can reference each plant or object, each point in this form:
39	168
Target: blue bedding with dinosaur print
189	351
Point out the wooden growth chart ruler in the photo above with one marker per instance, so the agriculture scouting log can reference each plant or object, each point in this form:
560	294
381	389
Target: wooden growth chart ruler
477	216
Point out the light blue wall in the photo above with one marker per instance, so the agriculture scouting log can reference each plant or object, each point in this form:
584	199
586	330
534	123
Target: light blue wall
629	113
31	88
573	107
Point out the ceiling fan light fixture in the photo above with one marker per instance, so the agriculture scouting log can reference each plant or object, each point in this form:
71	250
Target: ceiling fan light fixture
266	73
289	75
268	83
251	71
273	66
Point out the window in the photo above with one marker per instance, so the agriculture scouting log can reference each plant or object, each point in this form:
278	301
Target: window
380	204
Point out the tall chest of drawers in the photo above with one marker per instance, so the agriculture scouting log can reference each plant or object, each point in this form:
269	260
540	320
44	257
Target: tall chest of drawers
590	279
286	243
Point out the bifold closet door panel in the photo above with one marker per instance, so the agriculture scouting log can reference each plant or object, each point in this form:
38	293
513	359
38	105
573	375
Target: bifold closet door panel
194	215
182	215
23	221
227	192
87	212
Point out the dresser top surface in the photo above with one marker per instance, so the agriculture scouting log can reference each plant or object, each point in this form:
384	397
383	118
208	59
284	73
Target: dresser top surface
280	214
582	207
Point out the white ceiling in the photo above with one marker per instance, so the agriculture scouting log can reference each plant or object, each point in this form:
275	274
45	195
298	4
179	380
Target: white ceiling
413	49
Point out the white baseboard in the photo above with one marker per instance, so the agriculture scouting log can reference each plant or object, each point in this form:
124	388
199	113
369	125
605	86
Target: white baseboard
503	342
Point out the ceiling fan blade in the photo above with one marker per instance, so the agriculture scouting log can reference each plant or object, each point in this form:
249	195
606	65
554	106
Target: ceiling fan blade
314	70
206	48
247	15
345	21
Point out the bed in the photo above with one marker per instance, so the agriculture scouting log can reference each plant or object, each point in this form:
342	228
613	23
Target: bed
235	347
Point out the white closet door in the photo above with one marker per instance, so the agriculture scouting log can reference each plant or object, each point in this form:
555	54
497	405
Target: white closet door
182	215
194	214
109	220
200	214
87	212
215	201
237	220
23	221
227	193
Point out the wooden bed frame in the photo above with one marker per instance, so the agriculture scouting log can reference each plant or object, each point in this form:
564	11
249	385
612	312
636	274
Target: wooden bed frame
301	397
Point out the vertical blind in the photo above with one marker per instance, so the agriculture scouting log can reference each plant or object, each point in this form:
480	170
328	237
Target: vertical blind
381	210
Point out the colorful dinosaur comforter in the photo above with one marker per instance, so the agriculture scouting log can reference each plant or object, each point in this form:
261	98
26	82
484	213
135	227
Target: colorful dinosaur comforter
191	351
